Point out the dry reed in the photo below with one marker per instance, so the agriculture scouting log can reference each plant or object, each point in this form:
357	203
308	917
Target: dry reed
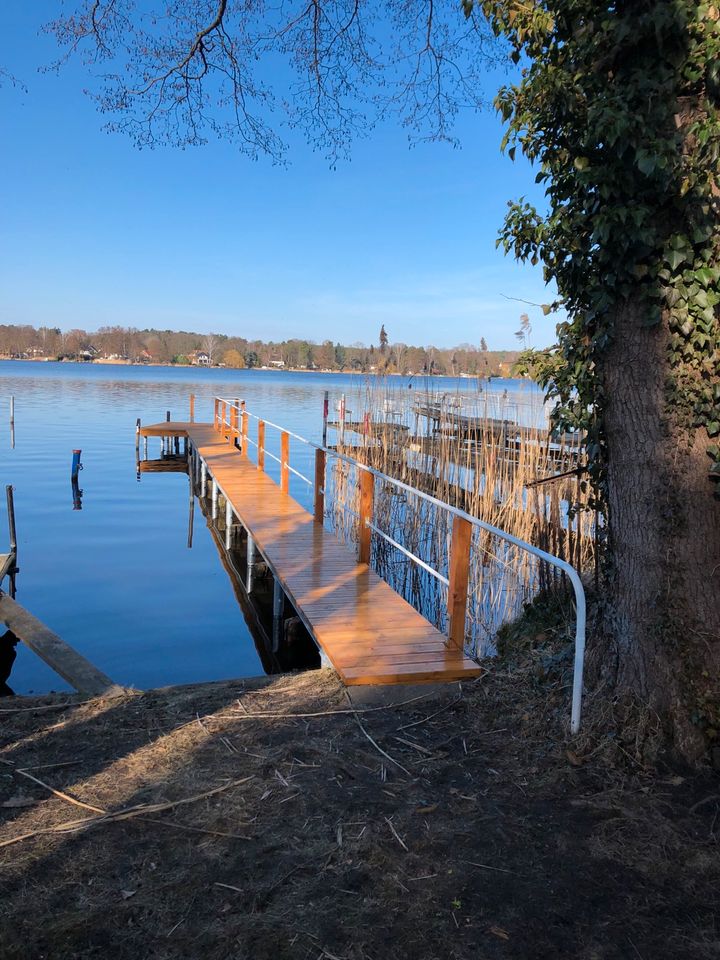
484	454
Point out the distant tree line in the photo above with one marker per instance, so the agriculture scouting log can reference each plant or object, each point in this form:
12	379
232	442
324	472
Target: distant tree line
127	344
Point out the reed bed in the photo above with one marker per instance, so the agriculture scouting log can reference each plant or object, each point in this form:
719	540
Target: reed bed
463	451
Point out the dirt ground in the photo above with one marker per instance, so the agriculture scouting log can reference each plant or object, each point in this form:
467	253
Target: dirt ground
455	824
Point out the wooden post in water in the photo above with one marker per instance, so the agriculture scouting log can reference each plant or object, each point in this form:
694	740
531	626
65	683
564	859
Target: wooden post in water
261	445
367	488
458	577
284	461
192	408
319	505
137	439
214	499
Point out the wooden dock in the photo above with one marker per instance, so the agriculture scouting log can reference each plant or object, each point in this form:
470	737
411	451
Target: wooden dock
368	632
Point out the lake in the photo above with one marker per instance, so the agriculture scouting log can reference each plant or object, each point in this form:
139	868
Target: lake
116	579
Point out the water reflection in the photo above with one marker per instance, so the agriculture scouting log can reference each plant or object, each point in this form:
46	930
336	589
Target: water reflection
138	534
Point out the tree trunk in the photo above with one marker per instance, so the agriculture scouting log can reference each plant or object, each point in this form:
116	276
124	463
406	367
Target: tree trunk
664	528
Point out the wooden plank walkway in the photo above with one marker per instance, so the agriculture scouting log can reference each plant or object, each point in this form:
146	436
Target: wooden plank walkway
366	630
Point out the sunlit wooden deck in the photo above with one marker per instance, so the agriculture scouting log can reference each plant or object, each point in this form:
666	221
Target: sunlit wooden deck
367	631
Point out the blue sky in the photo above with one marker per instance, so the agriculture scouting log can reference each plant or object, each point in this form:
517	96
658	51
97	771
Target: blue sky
95	232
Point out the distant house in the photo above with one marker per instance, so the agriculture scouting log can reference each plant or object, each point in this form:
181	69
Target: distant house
277	363
199	358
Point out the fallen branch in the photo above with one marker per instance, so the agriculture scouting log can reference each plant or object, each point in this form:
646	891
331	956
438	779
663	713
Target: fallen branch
128	813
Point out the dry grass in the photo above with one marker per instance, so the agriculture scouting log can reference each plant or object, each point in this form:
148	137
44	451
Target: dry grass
474	457
485	835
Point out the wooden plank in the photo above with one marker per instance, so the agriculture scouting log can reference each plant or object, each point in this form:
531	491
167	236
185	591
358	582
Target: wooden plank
64	660
7	562
369	633
367	488
458	577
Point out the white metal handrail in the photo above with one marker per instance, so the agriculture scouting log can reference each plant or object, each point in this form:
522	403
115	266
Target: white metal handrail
557	562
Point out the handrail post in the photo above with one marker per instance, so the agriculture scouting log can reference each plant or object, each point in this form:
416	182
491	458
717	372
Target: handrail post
216	407
367	489
284	461
458	577
261	445
233	422
224	417
244	440
319	499
192	408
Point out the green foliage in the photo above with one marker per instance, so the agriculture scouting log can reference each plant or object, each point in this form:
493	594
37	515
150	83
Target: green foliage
617	107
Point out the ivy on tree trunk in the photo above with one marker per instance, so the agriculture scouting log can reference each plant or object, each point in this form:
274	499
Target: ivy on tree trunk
618	109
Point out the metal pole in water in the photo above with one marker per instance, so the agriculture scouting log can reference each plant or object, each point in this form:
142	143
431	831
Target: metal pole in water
13	536
12	422
191	514
250	563
326	402
76	465
228	523
278	598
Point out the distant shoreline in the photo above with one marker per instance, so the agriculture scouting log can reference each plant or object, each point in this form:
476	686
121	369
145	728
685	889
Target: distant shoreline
103	362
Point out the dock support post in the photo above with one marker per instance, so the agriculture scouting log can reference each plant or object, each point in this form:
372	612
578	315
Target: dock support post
250	564
203	479
459	573
319	499
261	445
367	489
228	524
145	441
192	408
137	439
278	598
284	461
214	499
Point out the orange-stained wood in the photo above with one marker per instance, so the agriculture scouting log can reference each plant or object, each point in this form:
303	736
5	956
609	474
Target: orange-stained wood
261	445
284	461
244	440
319	504
367	487
459	573
368	632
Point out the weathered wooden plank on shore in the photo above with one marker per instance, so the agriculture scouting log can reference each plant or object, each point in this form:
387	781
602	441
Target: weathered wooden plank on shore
64	660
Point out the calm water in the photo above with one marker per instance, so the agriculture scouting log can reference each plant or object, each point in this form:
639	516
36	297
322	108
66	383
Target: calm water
116	579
